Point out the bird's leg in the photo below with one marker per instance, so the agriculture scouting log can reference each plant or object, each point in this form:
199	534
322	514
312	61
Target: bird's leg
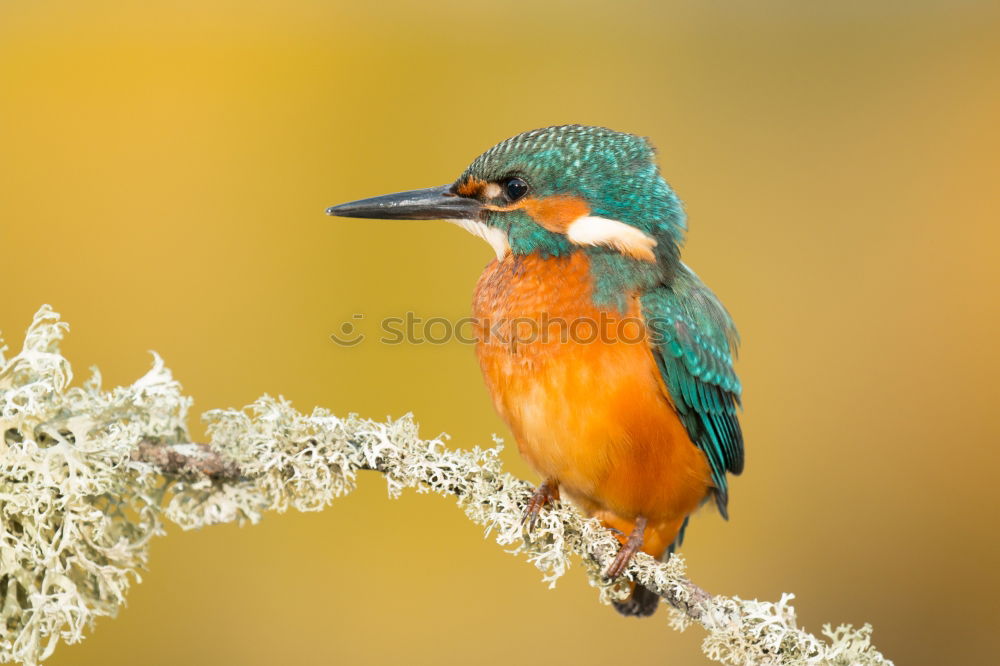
545	493
629	548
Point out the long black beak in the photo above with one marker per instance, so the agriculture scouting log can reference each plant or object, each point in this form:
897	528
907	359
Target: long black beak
433	203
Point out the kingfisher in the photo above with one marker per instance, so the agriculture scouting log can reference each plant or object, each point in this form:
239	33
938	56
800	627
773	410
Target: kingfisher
608	358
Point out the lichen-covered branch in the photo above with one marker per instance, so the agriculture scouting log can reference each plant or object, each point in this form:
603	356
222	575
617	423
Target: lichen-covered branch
88	476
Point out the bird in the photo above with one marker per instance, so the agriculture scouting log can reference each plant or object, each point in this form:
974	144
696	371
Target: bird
608	358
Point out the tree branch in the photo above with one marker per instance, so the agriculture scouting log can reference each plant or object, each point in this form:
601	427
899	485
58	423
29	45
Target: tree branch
187	460
193	460
82	493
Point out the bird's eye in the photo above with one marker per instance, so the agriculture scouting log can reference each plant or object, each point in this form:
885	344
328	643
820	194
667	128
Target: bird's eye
515	188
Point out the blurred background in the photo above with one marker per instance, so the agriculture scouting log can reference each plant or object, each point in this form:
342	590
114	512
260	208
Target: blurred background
164	168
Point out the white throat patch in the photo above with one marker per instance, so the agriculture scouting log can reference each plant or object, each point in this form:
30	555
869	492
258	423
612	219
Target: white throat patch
497	238
590	230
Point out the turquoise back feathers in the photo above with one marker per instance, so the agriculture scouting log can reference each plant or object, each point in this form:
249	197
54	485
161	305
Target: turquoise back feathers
694	341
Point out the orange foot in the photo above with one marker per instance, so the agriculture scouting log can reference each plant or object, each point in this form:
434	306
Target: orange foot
629	548
544	494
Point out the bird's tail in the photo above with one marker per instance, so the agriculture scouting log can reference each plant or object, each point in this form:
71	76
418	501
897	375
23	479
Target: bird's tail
643	601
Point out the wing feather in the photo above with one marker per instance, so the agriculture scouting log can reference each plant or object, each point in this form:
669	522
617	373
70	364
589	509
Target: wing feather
694	341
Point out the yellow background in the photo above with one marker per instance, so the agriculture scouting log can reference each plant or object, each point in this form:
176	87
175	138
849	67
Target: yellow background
164	167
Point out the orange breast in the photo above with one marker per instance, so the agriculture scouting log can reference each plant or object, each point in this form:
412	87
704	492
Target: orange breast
583	396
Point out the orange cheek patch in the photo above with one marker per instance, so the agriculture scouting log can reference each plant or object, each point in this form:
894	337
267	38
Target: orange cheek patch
473	187
556	213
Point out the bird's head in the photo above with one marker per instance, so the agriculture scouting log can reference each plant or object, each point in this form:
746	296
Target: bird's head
551	191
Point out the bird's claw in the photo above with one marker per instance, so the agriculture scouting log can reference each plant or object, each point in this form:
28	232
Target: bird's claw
628	549
544	494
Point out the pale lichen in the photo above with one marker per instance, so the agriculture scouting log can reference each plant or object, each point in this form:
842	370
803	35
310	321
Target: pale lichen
76	512
83	488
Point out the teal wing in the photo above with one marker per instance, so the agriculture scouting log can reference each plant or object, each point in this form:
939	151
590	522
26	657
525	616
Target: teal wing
693	341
